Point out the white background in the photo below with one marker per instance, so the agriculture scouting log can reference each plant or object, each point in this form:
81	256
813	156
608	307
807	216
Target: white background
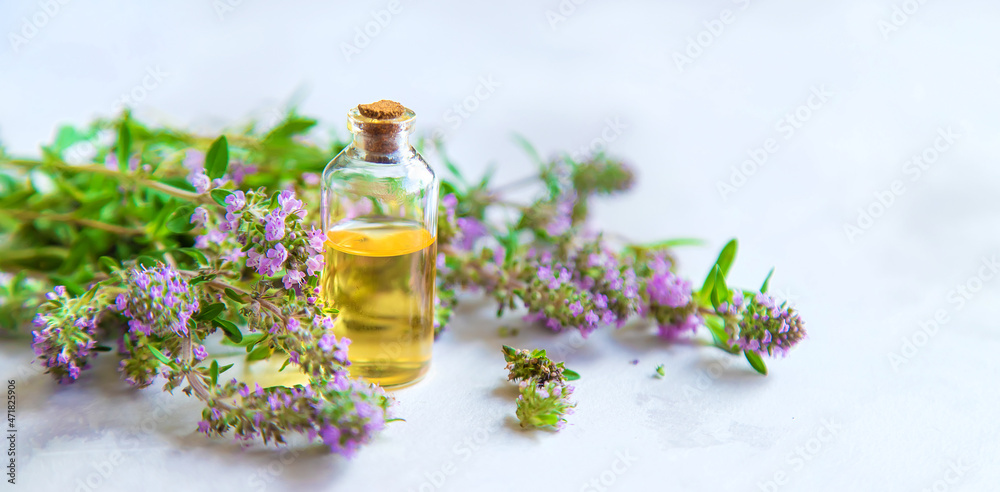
711	423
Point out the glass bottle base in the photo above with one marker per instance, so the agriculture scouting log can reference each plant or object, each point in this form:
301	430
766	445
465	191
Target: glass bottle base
265	373
392	376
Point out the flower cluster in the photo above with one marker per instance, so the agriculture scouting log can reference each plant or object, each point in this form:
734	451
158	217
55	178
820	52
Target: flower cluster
343	413
312	345
544	406
612	281
531	366
156	300
273	237
590	289
763	326
552	298
669	300
65	336
544	394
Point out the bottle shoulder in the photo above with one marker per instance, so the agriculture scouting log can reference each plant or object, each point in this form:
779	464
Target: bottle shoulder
349	165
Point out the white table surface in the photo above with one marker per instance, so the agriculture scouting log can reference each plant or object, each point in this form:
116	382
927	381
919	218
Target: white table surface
837	414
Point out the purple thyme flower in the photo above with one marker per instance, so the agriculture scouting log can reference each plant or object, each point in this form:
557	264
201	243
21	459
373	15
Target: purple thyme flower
314	265
292	278
233	255
200	353
290	205
194	160
200	181
327	342
469	231
239	171
766	327
200	216
274	260
274	226
157	300
665	288
64	340
562	220
236	201
316	240
450	203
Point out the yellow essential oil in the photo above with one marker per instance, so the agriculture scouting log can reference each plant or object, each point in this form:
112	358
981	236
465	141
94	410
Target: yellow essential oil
380	274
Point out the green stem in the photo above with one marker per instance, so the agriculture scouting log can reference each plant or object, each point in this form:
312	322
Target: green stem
201	198
263	302
24	254
104	226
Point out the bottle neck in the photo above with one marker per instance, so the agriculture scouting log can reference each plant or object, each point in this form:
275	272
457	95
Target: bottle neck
382	147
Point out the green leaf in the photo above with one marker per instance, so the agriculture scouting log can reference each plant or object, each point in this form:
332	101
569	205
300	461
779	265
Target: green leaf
510	242
111	265
147	261
180	220
102	348
720	292
487	176
670	243
767	281
217	158
194	253
72	287
77	253
124	146
153	227
291	126
214	372
718	330
756	362
225	368
232	331
509	353
230	293
200	279
530	149
210	312
571	375
251	340
220	196
159	355
724	262
260	353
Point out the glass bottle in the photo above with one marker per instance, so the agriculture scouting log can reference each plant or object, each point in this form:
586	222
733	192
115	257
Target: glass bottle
379	209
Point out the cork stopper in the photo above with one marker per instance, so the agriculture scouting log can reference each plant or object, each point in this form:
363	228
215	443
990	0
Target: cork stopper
382	110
